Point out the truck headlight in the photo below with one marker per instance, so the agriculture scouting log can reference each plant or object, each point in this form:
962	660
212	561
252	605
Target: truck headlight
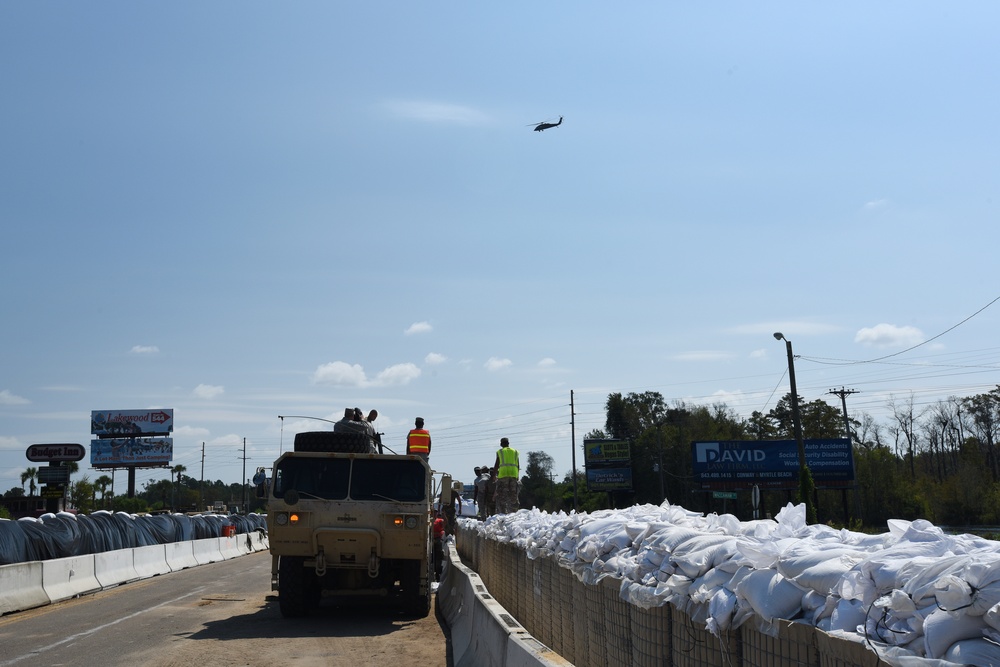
281	518
411	522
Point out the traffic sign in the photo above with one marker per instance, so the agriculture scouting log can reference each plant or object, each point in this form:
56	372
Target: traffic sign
725	495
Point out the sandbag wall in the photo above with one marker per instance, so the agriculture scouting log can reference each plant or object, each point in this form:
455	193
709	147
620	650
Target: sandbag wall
591	626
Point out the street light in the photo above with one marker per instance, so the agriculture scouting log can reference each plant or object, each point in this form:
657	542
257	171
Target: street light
797	425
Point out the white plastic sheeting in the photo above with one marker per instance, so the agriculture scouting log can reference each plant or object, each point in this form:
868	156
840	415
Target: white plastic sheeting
914	593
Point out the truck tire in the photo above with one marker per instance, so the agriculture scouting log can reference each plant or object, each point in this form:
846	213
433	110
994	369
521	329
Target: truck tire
328	441
293	597
415	602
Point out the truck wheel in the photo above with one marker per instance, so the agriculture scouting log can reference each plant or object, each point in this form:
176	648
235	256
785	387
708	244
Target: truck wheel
328	441
293	598
420	606
416	603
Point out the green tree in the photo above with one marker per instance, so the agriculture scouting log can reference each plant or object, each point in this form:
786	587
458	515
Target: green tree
30	475
537	486
81	495
101	484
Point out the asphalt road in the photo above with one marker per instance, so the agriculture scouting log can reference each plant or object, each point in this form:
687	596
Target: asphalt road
214	615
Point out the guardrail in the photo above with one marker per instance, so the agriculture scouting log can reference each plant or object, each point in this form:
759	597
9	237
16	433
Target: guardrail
38	583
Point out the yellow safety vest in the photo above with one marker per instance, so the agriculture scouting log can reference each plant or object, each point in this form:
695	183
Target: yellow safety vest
508	462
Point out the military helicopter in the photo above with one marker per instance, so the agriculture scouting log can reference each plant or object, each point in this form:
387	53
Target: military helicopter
540	127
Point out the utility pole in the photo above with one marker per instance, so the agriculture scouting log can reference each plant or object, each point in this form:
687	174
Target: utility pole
572	435
244	478
201	482
844	393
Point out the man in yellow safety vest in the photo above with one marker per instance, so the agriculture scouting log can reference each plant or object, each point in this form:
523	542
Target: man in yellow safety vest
508	469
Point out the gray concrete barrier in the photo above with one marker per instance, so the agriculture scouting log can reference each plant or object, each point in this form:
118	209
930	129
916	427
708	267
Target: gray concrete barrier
64	578
150	561
207	550
180	555
483	633
112	568
21	587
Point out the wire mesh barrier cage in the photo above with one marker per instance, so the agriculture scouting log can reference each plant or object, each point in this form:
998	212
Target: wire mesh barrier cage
593	626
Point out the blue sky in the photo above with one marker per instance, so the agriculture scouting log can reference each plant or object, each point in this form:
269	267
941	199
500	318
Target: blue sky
245	210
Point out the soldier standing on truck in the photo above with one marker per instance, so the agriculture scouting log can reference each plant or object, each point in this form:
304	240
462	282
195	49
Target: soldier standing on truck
418	441
508	470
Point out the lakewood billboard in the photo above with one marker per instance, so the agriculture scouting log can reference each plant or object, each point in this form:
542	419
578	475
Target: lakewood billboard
127	423
770	462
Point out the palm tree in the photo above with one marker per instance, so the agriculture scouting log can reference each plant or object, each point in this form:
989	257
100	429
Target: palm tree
29	475
176	470
101	484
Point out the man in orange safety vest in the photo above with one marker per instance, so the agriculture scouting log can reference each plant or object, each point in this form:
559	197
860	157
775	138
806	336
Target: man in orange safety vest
419	440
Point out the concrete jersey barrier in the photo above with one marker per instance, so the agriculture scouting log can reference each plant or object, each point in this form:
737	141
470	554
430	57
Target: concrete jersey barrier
483	633
112	568
21	587
64	578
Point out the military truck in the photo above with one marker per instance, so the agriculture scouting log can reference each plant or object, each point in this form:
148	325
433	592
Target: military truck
344	521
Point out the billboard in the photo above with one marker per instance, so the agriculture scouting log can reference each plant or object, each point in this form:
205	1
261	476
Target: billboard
771	462
129	423
121	452
608	464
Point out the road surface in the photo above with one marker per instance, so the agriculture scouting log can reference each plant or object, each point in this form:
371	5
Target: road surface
217	615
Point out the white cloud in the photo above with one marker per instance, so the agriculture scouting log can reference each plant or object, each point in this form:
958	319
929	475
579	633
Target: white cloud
546	362
7	398
876	204
397	375
436	112
433	359
759	353
208	391
419	328
889	335
494	364
144	349
342	374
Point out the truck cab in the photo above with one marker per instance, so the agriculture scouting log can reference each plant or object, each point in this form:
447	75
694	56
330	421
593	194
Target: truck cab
343	524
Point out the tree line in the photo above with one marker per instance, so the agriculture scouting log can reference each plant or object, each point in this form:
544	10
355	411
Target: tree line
939	463
180	493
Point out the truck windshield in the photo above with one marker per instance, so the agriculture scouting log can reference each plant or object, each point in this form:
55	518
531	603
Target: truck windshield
375	479
319	478
372	479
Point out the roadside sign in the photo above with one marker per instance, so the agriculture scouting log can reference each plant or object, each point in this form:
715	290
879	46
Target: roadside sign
53	475
52	492
58	452
725	495
131	423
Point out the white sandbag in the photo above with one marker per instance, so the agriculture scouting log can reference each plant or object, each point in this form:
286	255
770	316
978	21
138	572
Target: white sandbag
704	587
818	567
698	555
770	595
979	652
720	611
847	616
942	629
